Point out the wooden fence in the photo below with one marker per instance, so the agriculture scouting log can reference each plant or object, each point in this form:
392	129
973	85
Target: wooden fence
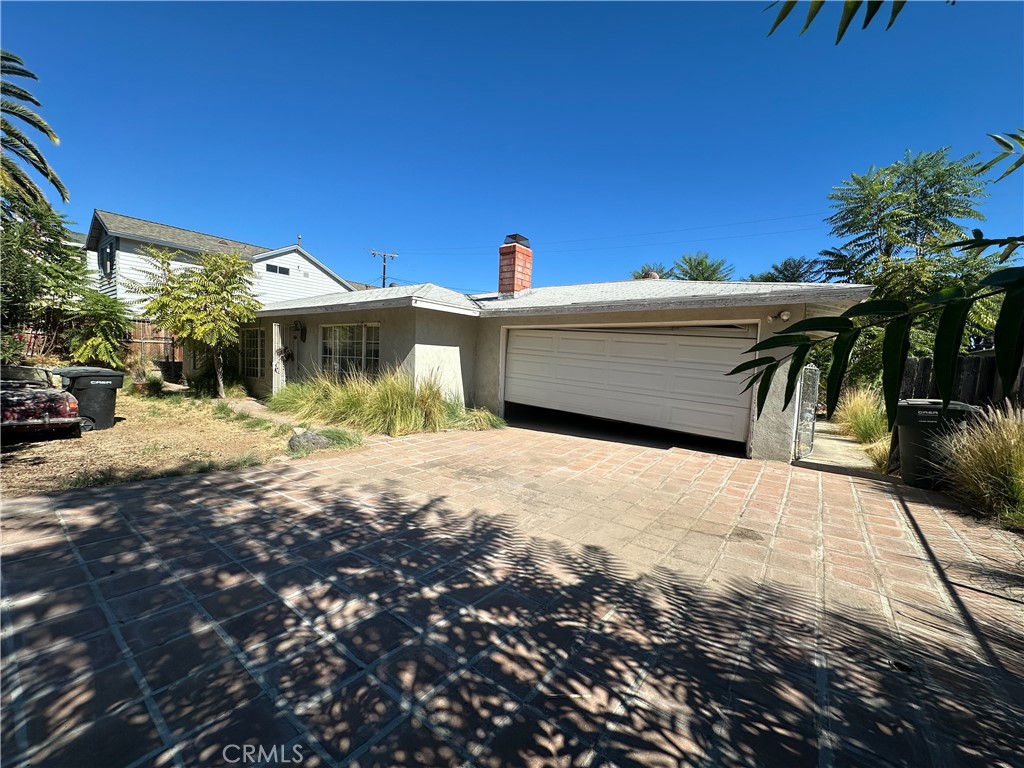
976	381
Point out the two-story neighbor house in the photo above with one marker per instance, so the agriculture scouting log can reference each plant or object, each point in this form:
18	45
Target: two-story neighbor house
115	246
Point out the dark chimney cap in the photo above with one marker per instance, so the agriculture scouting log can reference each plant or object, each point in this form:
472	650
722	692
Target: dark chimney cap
518	239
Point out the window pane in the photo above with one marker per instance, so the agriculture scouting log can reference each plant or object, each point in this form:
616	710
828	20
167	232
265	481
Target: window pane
342	348
252	341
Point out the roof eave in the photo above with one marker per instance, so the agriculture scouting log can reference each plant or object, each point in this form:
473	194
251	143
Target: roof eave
850	296
356	306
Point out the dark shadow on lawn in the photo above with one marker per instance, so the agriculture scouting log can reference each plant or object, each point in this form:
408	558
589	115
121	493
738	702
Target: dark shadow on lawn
265	607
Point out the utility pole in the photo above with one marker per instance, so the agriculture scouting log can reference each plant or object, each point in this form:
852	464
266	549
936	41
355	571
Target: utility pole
384	262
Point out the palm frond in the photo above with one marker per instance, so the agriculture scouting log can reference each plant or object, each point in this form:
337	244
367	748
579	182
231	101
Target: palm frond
12	108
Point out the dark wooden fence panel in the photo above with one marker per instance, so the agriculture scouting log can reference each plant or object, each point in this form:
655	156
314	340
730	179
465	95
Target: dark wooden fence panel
975	382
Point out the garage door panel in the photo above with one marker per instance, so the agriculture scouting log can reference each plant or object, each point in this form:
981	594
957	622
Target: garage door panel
666	380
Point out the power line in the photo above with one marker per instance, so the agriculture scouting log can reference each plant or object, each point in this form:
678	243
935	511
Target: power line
384	263
621	237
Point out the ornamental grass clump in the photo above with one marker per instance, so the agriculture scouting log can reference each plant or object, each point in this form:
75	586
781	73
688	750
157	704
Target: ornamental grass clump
390	403
861	415
982	464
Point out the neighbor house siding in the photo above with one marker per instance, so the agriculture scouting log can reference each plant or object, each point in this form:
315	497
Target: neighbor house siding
303	279
132	266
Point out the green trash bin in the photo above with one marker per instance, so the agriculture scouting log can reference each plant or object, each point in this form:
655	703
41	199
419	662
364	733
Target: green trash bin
96	390
920	423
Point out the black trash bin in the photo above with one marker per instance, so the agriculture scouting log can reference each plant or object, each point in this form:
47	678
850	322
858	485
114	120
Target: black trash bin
96	390
920	423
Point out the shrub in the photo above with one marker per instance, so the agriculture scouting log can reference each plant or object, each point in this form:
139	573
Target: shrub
861	415
203	382
390	403
341	438
154	384
983	464
878	452
12	348
101	325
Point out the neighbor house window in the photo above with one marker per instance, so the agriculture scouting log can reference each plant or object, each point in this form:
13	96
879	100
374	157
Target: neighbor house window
350	348
278	270
252	340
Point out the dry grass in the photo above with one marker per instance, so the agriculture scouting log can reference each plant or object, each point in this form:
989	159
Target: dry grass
983	465
152	437
878	452
387	404
861	415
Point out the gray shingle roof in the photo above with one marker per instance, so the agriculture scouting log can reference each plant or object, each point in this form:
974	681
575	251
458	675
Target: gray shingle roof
166	235
403	295
586	297
654	294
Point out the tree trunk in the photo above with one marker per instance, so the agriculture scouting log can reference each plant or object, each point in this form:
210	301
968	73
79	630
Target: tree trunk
218	367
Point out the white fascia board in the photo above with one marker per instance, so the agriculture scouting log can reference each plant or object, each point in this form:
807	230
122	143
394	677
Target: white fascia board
441	307
322	309
852	296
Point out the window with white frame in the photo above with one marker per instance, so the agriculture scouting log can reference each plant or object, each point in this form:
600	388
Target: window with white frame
253	341
350	348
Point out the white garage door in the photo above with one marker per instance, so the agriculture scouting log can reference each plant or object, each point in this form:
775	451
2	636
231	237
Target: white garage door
674	380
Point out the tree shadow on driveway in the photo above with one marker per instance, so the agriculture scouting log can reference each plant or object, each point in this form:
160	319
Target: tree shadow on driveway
166	622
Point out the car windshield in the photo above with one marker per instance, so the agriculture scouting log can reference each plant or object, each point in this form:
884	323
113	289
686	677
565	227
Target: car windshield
24	373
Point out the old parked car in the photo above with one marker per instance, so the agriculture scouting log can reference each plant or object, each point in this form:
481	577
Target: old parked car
31	403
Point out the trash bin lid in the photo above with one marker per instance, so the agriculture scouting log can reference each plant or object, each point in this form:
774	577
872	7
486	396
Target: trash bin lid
77	371
954	405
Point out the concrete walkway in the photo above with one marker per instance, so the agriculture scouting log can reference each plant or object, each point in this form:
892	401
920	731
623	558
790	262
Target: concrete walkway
510	598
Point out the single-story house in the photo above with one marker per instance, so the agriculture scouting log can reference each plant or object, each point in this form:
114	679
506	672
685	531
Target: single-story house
649	351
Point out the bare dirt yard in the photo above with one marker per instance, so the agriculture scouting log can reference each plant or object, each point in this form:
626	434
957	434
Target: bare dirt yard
152	436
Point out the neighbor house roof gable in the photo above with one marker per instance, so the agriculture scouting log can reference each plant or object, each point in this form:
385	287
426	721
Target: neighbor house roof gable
164	235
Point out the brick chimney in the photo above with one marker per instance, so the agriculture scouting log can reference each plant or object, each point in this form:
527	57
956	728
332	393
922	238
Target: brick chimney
515	264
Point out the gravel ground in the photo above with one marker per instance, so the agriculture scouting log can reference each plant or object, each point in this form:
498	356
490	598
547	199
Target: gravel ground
151	436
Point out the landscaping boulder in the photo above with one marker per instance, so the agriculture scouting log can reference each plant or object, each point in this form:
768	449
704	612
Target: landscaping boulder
307	441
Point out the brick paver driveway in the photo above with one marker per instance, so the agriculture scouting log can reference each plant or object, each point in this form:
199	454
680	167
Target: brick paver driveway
509	598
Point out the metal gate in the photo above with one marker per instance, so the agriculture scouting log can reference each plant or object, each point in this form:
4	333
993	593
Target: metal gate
807	411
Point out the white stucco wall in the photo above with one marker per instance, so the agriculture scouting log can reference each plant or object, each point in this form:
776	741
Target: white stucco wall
446	349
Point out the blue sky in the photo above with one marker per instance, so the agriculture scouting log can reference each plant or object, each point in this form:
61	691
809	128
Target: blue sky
610	134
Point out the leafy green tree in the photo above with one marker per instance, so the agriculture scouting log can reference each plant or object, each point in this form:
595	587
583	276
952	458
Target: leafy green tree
41	272
656	267
792	270
701	267
201	300
100	324
16	105
907	209
895	319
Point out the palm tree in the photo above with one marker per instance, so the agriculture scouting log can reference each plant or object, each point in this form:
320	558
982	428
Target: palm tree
14	180
700	266
792	270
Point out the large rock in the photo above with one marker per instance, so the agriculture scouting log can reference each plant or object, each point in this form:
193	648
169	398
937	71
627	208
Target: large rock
307	441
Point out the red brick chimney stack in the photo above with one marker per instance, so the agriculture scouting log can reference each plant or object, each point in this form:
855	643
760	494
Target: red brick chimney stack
515	264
